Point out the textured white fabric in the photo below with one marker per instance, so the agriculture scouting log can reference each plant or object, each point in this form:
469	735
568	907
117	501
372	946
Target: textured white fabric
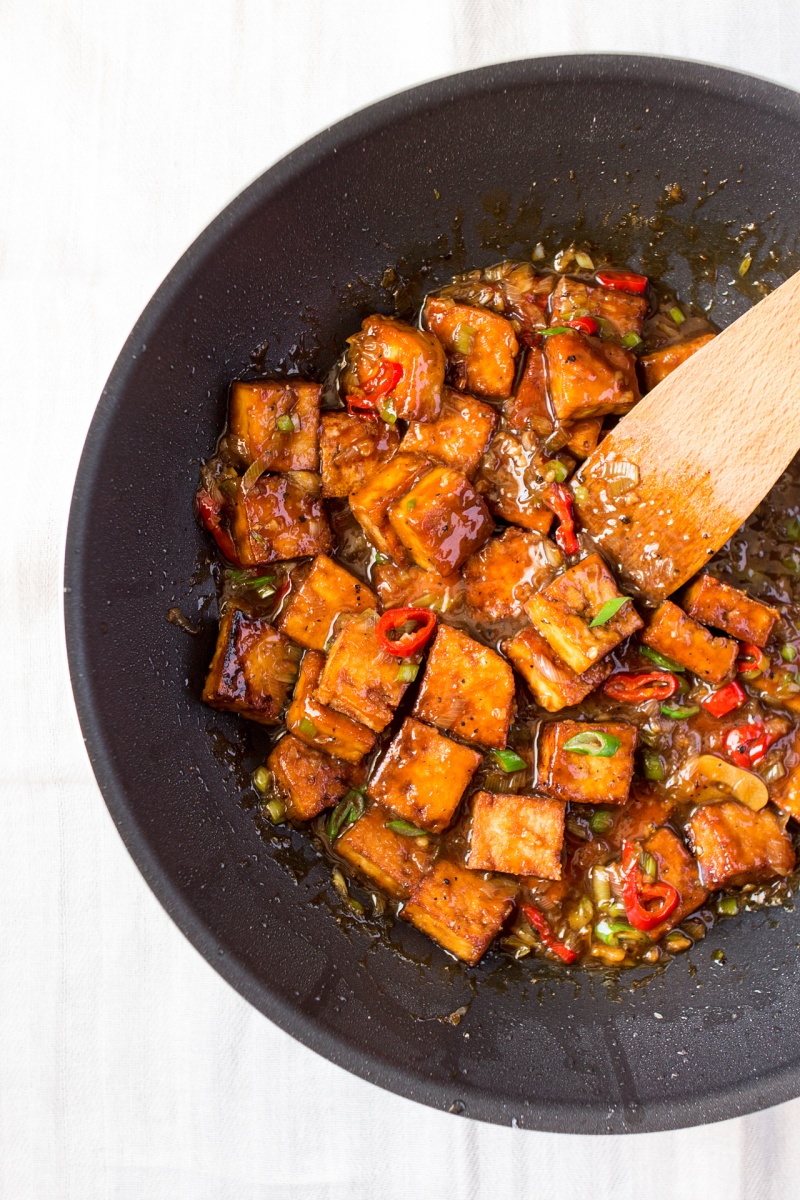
128	1069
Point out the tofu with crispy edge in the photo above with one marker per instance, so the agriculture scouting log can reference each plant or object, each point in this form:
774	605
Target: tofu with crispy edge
677	867
327	591
554	684
505	573
278	519
458	436
398	587
671	632
735	845
352	450
518	835
460	909
563	611
394	863
661	363
482	342
622	312
585	778
423	776
712	602
253	668
309	780
512	477
527	411
370	504
589	378
320	726
584	435
467	689
359	678
417	396
255	411
441	520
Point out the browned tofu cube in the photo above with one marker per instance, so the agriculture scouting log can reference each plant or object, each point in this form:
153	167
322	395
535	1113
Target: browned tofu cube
320	726
441	520
505	573
585	778
512	477
661	363
786	791
584	436
735	845
252	670
458	436
276	423
327	591
554	685
677	867
671	632
394	863
518	835
309	780
423	776
467	688
482	342
459	909
278	519
620	312
712	602
352	450
417	396
370	504
359	678
562	613
398	587
589	378
527	409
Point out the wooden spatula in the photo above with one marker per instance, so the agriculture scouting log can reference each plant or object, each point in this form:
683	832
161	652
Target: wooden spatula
681	472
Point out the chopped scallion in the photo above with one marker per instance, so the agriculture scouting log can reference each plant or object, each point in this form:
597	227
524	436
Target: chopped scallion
744	265
728	906
464	339
631	340
387	412
584	260
554	329
677	315
793	529
609	610
276	811
411	504
407	673
347	811
679	712
580	492
594	743
600	821
648	864
661	660
285	424
261	779
406	829
307	727
788	652
653	765
510	761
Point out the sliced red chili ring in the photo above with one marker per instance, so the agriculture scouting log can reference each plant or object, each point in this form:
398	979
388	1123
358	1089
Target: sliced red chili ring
751	661
746	745
542	927
556	497
385	379
586	325
638	688
646	904
209	509
724	701
410	642
623	281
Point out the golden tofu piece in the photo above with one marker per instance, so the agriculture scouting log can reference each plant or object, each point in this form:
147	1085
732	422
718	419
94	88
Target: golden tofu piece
276	422
712	602
359	678
467	688
661	363
352	450
584	435
417	396
562	613
399	587
621	312
252	669
676	866
554	685
320	726
309	780
735	845
459	909
671	632
528	410
370	504
505	573
327	591
441	520
518	835
423	776
585	778
278	519
589	378
394	863
512	477
458	436
483	341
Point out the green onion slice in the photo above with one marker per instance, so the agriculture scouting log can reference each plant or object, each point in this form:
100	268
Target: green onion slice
631	340
661	660
407	673
510	761
609	610
653	766
677	315
285	424
594	743
387	412
648	864
464	339
554	329
308	728
679	712
611	931
347	811
406	829
600	821
793	529
788	652
744	265
728	906
261	779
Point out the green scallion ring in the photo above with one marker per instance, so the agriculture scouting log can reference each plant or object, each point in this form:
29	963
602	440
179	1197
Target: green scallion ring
678	712
594	743
661	660
510	761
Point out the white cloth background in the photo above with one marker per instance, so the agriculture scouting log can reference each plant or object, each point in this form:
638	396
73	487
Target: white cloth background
128	1069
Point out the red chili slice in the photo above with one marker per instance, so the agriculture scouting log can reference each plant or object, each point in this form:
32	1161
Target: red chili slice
210	511
556	497
623	281
361	408
724	701
587	325
540	924
639	896
746	745
407	643
636	689
751	658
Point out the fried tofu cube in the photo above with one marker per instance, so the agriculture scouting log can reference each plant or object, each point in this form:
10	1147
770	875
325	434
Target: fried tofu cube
585	778
252	669
399	587
423	776
671	632
583	436
528	410
786	791
562	613
275	422
677	867
278	519
459	909
661	363
589	378
327	591
482	341
712	602
370	504
417	396
505	573
458	436
359	678
511	478
518	835
735	845
621	312
554	684
394	863
309	780
467	688
441	520
320	726
352	450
